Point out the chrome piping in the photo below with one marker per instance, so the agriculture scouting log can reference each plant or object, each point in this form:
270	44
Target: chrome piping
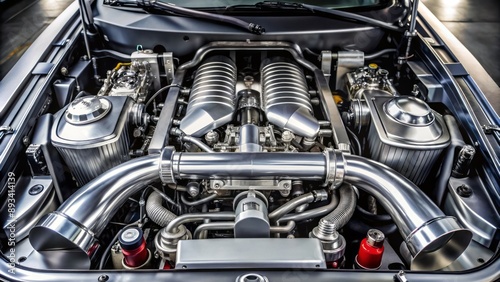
198	202
283	229
434	239
173	226
229	225
82	218
289	206
225	225
255	165
312	213
197	142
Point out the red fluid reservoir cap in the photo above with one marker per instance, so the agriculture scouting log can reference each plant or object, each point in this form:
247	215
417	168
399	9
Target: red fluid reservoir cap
371	250
133	246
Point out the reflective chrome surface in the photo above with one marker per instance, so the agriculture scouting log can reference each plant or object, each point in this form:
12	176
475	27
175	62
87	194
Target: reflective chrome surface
405	134
212	99
102	143
303	253
87	212
249	138
409	110
286	99
258	165
437	243
289	206
87	109
476	212
193	217
433	239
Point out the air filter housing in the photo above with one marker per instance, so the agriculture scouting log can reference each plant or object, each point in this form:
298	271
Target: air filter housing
91	135
405	134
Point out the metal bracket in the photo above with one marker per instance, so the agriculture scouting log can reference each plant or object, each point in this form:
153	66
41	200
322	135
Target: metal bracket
4	130
36	160
283	186
42	68
346	62
400	277
326	63
252	277
168	63
490	128
457	69
61	43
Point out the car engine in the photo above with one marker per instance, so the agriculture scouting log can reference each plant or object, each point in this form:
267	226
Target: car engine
247	155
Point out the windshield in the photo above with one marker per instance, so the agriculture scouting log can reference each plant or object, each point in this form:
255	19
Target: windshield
323	3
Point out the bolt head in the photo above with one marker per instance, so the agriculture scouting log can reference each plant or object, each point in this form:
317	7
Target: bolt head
464	191
35	190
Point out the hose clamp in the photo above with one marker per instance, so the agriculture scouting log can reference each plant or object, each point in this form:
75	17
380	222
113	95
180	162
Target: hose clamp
335	168
166	166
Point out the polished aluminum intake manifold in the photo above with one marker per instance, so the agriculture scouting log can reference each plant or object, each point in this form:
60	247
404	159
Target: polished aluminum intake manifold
212	99
286	97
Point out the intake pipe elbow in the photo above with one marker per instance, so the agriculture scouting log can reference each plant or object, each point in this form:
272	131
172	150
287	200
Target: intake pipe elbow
434	239
79	221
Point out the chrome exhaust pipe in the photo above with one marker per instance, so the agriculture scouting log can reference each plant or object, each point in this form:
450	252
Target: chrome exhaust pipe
434	240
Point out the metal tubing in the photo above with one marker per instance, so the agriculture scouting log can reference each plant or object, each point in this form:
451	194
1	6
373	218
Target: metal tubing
198	202
258	165
283	229
434	240
380	53
193	217
197	142
312	213
82	218
198	233
290	206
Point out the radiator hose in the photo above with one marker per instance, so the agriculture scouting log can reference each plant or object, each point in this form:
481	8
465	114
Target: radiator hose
157	212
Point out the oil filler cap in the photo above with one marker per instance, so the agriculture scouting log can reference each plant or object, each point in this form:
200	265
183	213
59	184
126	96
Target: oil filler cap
87	109
131	238
409	110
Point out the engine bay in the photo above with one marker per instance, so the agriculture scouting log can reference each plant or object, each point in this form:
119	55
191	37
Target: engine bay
249	155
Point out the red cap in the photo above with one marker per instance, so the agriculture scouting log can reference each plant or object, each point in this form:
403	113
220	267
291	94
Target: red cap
133	246
371	250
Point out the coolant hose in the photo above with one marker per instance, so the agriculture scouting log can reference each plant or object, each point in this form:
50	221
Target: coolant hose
447	166
312	213
315	196
157	212
344	211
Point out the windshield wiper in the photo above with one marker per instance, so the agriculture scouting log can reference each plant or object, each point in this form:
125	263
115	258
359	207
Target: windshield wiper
171	8
268	5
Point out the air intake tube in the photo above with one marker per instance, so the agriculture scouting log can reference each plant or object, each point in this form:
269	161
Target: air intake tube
434	240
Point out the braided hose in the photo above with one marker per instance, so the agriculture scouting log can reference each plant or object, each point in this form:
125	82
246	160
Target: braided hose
157	212
342	214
